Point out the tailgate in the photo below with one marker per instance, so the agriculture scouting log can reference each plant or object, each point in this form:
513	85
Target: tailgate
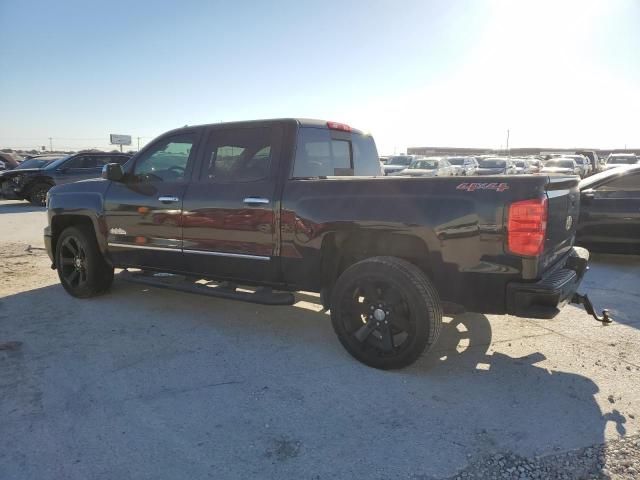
564	204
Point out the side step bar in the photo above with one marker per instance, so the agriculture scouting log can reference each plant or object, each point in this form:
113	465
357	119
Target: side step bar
263	295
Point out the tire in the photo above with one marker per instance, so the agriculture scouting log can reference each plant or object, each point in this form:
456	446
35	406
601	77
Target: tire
385	312
82	269
38	194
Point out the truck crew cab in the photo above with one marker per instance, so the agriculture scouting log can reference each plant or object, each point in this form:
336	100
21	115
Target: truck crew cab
291	204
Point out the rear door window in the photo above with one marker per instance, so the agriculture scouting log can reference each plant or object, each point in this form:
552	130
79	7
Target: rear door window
323	153
238	155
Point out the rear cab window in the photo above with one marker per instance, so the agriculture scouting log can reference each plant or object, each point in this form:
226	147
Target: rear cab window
321	152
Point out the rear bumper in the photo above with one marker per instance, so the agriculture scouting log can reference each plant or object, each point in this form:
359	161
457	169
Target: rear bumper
545	298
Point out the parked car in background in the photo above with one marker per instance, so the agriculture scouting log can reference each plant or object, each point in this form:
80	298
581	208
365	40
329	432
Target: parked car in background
495	166
616	159
610	210
465	166
9	161
522	166
583	164
535	165
428	167
594	159
396	163
564	166
32	184
5	175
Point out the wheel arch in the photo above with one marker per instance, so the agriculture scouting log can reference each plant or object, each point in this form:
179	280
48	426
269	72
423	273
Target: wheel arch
59	223
342	249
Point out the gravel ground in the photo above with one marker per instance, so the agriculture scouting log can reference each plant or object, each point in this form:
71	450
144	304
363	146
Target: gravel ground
618	459
153	384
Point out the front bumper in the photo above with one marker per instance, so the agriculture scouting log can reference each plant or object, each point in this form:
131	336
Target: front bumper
545	298
7	191
47	243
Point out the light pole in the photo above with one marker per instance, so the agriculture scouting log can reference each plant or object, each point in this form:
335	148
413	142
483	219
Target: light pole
508	151
50	144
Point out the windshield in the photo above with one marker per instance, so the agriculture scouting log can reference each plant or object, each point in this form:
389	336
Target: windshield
56	163
492	163
456	160
520	163
560	163
399	160
424	165
34	163
622	159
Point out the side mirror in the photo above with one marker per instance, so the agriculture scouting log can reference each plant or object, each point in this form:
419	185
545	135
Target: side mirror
63	169
588	195
113	172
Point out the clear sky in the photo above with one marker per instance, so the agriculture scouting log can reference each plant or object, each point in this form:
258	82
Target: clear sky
558	73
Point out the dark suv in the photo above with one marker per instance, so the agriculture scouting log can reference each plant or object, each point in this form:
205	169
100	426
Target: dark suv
33	183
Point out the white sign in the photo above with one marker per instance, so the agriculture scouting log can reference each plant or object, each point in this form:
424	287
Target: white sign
120	139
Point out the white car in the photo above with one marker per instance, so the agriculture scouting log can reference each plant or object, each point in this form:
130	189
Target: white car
617	159
396	163
428	167
583	164
565	166
465	166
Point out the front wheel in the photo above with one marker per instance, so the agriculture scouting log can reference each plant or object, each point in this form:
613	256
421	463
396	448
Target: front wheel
81	267
385	312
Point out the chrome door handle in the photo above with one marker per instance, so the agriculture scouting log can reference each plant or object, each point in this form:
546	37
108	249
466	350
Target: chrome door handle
256	201
168	199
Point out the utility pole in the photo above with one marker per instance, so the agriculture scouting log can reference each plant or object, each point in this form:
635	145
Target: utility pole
508	151
50	144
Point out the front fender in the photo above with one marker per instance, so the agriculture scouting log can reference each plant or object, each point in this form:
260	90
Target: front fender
67	208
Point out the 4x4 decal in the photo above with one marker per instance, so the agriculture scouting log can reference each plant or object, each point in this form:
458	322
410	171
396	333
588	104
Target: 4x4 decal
470	187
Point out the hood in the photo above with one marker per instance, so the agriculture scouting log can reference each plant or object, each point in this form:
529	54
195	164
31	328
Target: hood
416	172
609	166
20	171
557	170
393	168
92	185
489	171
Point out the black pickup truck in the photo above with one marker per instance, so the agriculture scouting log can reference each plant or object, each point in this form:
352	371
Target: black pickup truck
302	205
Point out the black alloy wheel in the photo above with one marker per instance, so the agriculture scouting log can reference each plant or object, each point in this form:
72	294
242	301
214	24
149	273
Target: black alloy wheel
73	262
82	269
385	312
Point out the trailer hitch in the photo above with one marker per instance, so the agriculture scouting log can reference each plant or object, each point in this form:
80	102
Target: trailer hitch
588	306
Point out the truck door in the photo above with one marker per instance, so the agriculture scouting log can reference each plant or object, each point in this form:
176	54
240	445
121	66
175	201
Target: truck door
144	212
230	208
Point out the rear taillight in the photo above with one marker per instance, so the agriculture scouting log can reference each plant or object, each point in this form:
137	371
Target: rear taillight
527	227
338	126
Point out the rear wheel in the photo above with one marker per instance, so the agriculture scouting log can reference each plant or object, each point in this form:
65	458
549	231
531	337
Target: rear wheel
385	312
81	267
38	194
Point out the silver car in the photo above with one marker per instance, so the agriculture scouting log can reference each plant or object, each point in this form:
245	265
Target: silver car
465	166
617	159
428	167
564	166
